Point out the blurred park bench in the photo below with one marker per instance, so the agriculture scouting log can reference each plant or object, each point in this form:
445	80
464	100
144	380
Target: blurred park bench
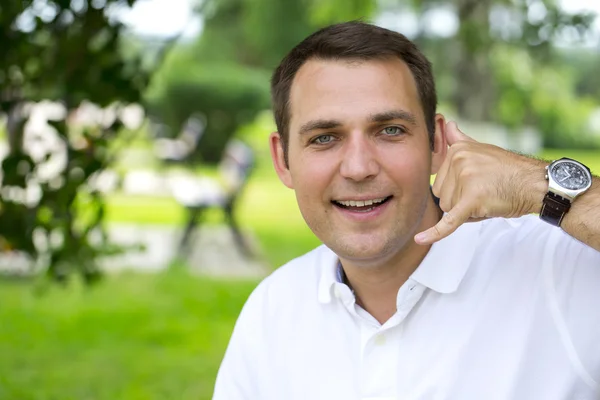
179	149
200	194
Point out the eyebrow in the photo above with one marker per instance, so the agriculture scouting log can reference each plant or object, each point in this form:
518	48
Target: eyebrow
322	124
394	114
319	124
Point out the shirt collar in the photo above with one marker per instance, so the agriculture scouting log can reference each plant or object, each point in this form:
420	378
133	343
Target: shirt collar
442	269
448	260
328	263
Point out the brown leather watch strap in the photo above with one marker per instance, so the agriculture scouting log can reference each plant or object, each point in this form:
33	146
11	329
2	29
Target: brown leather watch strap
554	208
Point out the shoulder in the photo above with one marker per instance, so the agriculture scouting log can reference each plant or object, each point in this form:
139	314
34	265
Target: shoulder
532	244
527	234
295	281
528	249
521	229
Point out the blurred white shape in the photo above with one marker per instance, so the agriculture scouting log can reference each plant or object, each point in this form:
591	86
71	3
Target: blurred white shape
41	141
537	12
402	20
591	39
505	22
29	196
576	6
148	18
90	114
179	148
106	181
145	183
132	116
191	191
441	21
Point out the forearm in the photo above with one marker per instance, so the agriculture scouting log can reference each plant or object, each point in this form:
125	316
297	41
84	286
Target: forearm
478	181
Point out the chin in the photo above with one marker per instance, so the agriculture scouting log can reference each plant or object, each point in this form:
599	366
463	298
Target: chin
367	249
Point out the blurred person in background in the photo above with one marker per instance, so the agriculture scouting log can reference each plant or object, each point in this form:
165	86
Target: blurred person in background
451	291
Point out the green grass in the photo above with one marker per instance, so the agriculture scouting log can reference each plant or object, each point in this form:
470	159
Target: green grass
134	336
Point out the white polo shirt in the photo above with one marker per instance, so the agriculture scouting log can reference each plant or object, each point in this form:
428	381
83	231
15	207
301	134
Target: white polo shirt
501	309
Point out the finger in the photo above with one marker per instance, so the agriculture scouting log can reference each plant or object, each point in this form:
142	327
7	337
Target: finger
448	224
454	135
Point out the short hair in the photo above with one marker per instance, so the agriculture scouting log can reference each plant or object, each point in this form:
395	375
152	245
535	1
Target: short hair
354	40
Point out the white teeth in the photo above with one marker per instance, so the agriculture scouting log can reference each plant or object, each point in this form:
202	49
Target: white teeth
359	203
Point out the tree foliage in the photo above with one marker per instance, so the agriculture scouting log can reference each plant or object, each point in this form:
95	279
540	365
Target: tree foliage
225	95
494	57
65	51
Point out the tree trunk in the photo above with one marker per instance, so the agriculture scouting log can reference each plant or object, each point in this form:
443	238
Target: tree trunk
475	92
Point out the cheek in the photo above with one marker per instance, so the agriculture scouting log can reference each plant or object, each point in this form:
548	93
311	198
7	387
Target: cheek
409	166
312	173
310	181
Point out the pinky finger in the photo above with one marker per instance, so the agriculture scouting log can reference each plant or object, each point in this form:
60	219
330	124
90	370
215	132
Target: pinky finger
447	225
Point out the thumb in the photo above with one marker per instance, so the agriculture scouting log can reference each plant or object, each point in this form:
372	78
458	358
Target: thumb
453	134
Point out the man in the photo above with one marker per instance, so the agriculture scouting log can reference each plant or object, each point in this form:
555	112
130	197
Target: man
474	298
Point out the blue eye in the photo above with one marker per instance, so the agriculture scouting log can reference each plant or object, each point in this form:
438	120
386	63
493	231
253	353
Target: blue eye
392	131
323	139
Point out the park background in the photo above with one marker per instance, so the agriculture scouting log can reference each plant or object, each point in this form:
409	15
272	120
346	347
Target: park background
104	106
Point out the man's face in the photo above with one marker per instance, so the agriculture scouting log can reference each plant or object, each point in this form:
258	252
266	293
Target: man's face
359	156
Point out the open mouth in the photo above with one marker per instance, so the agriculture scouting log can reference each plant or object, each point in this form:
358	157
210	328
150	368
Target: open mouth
361	205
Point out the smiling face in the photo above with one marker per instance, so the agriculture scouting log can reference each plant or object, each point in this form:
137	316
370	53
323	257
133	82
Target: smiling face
359	156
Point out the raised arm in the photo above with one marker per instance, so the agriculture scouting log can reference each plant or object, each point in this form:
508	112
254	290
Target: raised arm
479	180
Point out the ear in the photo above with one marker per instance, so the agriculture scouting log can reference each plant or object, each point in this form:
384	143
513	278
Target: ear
277	155
440	145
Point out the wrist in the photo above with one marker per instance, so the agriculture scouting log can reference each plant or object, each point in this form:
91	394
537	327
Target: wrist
536	186
567	179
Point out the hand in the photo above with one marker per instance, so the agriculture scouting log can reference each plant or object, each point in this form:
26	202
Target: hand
479	181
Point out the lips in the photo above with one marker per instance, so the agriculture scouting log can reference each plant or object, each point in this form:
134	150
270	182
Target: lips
364	205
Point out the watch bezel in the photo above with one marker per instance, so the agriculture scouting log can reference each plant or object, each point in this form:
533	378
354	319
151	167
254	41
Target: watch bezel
557	188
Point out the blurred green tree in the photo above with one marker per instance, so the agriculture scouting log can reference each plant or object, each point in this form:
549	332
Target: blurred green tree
224	96
486	24
65	51
495	62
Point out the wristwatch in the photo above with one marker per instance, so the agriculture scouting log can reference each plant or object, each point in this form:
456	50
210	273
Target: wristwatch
567	179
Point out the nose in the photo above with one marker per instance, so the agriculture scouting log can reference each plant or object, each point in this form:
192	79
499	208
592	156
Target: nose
359	161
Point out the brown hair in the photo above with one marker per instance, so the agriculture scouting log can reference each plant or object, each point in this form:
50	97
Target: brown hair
351	40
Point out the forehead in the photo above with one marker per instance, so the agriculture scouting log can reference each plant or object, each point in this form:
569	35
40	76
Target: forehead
351	90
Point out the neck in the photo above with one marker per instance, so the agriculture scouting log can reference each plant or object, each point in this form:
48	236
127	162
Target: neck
376	285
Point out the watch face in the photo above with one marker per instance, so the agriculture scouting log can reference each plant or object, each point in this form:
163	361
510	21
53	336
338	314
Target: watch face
570	175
